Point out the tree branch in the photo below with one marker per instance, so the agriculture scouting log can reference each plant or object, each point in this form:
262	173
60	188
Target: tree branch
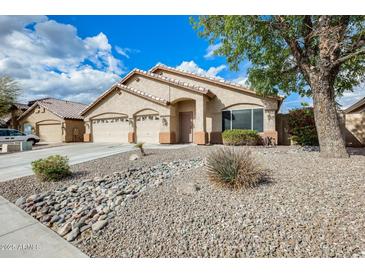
348	57
300	56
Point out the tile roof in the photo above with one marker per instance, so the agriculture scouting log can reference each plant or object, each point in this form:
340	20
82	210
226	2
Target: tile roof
127	89
175	82
63	109
21	106
143	94
210	79
358	104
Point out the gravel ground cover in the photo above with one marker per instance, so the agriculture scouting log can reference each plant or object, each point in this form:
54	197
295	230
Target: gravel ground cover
311	207
26	186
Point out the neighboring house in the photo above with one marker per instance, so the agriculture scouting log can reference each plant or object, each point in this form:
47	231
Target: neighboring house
355	124
54	120
10	120
167	105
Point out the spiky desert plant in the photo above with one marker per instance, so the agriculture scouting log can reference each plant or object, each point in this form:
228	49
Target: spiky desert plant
234	168
141	149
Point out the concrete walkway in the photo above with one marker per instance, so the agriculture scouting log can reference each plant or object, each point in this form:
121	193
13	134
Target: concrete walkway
22	236
16	165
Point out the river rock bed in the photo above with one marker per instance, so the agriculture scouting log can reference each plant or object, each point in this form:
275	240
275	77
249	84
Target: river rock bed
83	209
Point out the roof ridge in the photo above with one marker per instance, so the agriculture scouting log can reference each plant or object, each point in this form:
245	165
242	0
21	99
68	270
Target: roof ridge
355	105
134	90
211	78
171	80
214	78
67	101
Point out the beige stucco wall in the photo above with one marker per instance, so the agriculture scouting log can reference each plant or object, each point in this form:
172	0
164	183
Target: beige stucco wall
355	129
122	103
226	98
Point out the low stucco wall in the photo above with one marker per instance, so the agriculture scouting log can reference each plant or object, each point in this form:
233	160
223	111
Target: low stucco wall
355	129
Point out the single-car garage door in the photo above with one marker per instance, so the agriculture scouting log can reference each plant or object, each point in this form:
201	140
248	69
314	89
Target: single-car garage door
148	128
110	130
50	133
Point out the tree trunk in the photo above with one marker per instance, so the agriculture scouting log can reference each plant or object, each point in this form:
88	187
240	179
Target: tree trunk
331	141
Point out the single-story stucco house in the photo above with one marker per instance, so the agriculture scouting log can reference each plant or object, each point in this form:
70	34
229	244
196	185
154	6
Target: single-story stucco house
54	120
166	105
355	124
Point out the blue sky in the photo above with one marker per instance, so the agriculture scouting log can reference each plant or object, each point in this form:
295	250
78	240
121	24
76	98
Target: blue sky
78	57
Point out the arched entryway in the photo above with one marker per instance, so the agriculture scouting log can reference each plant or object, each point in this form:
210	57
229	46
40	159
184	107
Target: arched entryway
184	119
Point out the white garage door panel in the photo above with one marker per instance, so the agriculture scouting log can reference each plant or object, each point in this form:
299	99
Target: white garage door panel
110	130
148	128
50	132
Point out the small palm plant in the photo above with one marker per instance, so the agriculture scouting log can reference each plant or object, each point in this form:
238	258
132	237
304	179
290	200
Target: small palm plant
140	146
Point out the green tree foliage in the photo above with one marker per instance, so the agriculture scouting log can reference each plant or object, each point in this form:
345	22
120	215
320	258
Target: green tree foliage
268	42
9	92
318	56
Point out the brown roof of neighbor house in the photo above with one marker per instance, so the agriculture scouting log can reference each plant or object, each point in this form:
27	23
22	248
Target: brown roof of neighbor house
214	80
356	106
21	106
5	118
61	108
168	80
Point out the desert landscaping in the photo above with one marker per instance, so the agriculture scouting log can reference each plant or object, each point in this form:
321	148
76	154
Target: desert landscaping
163	205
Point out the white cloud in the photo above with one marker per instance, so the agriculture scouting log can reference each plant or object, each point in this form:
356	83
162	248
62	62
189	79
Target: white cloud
211	49
48	58
191	66
242	80
349	98
122	52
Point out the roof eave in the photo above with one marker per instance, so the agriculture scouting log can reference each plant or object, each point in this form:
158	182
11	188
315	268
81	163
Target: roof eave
162	67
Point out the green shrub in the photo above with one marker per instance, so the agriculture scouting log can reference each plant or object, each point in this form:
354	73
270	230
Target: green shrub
53	168
233	168
302	127
240	137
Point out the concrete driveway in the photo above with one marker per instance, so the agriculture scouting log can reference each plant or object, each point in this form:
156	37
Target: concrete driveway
18	164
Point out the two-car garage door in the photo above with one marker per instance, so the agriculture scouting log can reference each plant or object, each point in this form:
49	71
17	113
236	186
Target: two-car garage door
110	130
115	129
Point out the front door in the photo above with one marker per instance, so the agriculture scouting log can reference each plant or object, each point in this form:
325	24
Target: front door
186	127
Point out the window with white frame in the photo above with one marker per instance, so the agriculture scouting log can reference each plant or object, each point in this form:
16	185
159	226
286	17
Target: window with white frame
243	119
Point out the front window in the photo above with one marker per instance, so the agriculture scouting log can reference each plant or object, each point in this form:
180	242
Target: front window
243	119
